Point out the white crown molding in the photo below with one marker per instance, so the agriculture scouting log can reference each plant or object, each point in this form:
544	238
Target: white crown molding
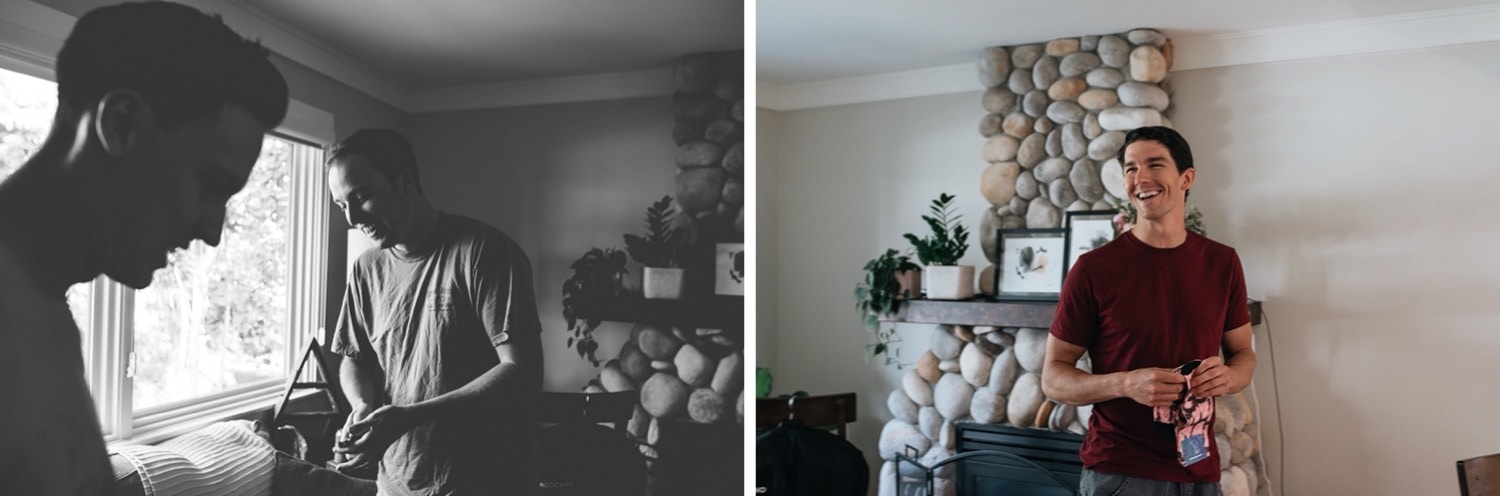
612	86
862	89
1330	39
306	50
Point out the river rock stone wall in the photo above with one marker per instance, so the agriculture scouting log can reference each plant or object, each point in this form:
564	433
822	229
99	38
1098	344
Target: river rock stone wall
1056	113
709	108
992	375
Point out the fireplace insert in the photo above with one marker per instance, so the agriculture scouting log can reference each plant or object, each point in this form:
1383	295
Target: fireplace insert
1045	464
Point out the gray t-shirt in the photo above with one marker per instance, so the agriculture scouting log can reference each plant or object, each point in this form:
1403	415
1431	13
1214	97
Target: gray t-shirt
432	321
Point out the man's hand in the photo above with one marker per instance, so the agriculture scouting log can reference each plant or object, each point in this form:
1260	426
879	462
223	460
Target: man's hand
1154	387
1210	379
343	435
371	435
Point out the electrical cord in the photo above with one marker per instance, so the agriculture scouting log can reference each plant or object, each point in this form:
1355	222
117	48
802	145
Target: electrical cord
1276	393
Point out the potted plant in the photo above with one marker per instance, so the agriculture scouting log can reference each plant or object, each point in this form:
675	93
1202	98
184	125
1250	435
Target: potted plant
597	276
946	280
889	278
659	251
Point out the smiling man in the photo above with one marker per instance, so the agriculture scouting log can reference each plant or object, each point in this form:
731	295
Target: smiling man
440	335
1154	299
161	111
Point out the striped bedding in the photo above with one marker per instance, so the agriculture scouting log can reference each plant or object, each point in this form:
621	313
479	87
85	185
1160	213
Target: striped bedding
223	459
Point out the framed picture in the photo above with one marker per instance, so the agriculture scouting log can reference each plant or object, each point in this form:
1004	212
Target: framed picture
1088	230
729	269
1030	263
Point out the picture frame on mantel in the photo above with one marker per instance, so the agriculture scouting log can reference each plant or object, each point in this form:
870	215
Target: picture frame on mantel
1029	264
729	269
1087	230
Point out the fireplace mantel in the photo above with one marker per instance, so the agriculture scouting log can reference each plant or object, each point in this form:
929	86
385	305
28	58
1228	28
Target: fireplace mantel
987	312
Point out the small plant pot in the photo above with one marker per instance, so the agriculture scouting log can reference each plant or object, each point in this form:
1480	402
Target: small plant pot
911	283
949	282
662	284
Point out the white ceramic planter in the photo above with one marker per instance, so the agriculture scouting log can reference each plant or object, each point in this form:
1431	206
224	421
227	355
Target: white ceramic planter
949	282
662	284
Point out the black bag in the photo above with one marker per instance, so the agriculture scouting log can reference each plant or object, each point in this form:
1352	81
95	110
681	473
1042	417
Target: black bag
796	460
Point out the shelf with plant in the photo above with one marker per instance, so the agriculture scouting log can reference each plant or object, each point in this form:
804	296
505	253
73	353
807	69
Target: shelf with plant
889	279
660	251
941	250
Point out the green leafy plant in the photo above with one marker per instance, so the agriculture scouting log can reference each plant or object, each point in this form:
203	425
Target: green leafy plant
949	239
878	294
597	276
662	245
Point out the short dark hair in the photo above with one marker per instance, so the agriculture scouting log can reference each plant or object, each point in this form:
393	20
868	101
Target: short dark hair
185	64
387	150
1176	145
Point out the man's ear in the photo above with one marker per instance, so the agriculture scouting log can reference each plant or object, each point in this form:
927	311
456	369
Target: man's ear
122	115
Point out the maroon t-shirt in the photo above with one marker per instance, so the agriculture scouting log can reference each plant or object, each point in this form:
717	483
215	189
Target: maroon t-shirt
1136	306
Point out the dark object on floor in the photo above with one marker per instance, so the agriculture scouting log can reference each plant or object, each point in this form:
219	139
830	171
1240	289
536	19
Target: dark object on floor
796	460
577	456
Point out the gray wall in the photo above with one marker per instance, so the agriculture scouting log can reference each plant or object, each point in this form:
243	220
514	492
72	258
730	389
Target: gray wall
1352	188
560	179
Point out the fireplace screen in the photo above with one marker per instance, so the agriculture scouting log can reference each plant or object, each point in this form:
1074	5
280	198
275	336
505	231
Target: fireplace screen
983	472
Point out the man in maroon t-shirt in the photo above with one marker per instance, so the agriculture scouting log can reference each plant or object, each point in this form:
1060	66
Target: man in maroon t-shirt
1156	297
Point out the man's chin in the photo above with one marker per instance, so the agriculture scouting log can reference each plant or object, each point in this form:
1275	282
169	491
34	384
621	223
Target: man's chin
133	281
134	277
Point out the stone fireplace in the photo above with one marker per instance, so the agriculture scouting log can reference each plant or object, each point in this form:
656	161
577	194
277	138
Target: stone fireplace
992	375
1056	114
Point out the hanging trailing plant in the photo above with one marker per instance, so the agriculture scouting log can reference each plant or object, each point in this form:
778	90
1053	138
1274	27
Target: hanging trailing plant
597	277
879	294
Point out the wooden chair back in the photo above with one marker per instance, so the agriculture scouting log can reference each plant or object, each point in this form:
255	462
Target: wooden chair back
592	408
1479	476
816	411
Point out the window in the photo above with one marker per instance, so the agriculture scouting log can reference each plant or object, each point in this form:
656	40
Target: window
215	318
220	328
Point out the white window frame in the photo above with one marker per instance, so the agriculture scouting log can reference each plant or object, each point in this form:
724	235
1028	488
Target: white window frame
30	34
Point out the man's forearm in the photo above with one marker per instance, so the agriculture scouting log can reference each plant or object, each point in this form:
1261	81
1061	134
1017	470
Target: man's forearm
363	385
1241	369
1066	383
485	395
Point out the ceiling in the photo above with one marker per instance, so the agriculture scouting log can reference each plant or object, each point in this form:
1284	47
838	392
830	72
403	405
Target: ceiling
800	41
424	44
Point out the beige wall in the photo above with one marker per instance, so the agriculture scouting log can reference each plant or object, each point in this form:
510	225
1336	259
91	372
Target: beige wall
849	180
767	127
560	179
1352	187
